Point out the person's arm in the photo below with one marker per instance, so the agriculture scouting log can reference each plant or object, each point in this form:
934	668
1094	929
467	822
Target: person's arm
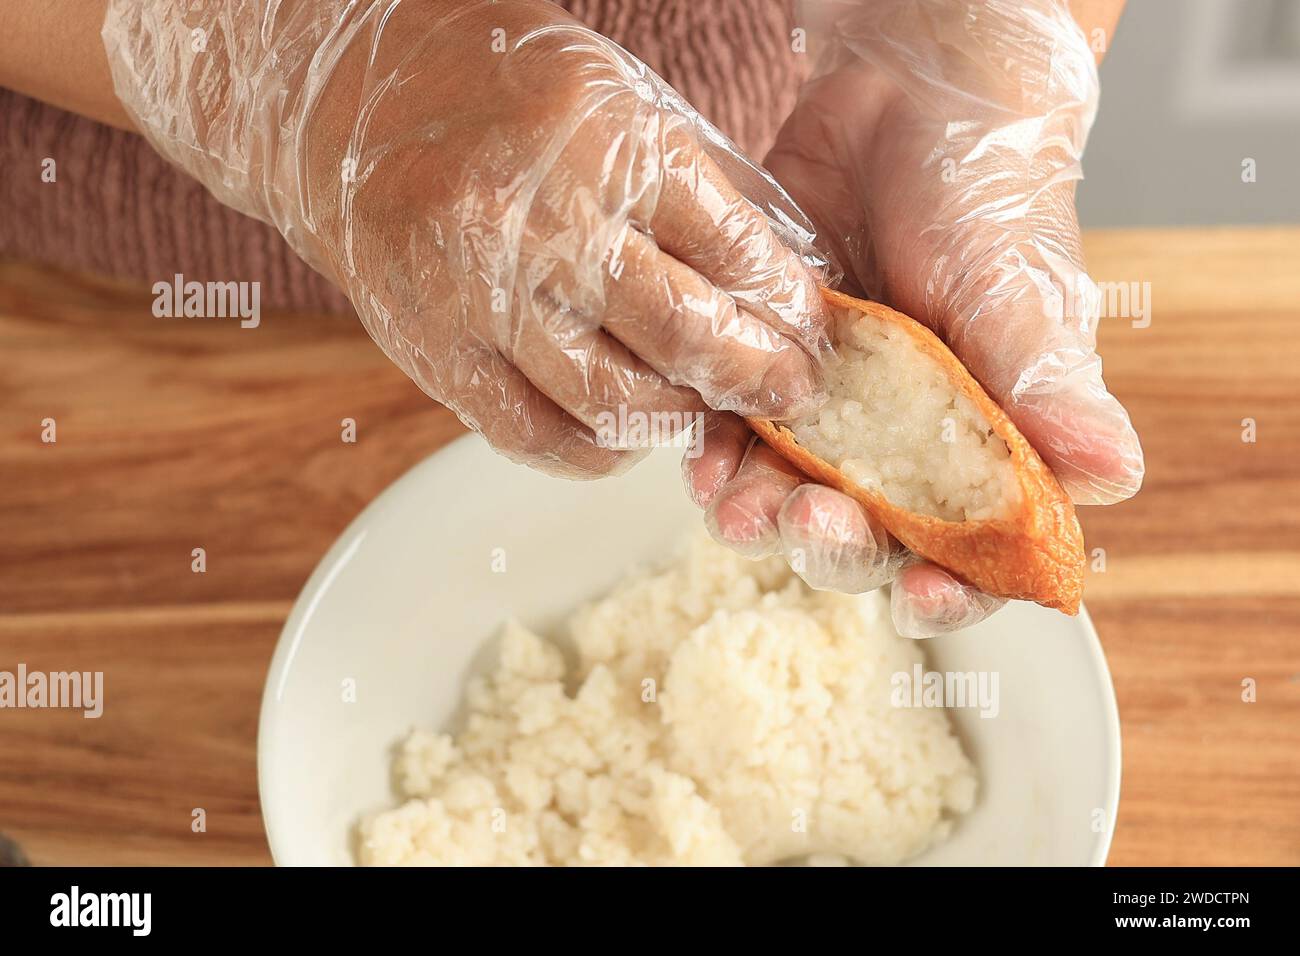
51	50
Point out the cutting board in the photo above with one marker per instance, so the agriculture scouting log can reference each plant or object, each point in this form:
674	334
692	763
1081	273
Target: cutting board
179	434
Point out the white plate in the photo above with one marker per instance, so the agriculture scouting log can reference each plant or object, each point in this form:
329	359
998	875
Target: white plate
406	602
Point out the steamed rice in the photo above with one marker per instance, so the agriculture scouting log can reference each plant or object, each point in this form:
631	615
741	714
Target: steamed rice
895	425
724	713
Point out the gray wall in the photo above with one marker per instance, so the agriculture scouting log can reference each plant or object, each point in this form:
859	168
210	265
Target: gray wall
1189	89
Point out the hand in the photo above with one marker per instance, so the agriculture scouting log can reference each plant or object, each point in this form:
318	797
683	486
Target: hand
937	154
529	222
759	504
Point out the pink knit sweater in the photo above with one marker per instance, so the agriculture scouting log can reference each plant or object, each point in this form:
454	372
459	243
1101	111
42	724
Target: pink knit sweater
119	209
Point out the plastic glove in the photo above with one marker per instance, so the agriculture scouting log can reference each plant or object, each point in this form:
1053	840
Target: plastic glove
536	229
758	504
936	151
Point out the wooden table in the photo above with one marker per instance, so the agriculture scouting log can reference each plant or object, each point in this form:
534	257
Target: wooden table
188	433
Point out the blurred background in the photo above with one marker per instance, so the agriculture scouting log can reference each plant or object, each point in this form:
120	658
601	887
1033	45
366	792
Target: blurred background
1190	90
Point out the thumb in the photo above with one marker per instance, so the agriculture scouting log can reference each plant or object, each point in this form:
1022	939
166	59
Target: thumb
1028	331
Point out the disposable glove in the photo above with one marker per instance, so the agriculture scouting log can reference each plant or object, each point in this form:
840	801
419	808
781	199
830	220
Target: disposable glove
529	222
936	150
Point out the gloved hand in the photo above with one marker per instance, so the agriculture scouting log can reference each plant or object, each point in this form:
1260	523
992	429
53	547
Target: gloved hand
759	504
534	227
936	150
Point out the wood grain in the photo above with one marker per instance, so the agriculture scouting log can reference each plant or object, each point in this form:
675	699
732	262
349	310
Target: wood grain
176	434
172	435
1202	583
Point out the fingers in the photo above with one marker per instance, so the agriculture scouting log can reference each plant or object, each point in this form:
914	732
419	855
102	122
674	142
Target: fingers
741	484
693	333
1058	398
496	400
658	317
757	504
833	544
1085	436
702	220
551	329
1005	287
593	376
604	319
926	601
720	446
743	514
1029	335
1027	328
